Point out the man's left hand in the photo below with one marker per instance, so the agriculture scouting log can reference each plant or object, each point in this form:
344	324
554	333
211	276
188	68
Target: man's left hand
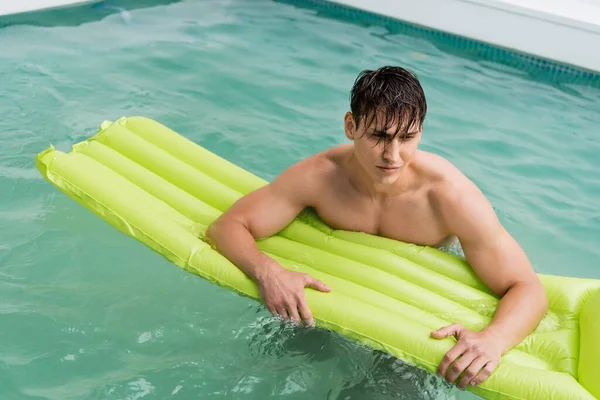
475	353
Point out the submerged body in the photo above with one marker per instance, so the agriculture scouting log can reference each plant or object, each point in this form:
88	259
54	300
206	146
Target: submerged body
383	185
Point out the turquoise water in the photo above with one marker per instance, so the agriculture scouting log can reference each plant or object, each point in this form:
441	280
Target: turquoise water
87	313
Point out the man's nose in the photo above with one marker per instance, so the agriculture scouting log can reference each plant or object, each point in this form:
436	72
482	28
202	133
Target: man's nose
391	152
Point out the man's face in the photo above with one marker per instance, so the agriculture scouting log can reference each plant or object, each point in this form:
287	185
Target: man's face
382	156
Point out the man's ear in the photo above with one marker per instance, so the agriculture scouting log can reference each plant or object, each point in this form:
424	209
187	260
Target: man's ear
349	126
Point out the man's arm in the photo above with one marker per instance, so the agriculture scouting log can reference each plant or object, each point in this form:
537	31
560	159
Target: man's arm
260	214
503	266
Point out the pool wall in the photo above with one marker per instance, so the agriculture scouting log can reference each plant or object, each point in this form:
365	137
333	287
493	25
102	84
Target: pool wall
23	6
567	31
562	31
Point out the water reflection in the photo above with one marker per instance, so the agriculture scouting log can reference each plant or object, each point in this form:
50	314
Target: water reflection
350	370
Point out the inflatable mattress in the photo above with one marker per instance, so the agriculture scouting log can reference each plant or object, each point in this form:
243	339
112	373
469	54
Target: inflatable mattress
164	190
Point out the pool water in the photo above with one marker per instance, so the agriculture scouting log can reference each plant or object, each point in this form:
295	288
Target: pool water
88	313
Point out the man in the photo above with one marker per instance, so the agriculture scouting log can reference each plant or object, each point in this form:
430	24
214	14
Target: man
382	184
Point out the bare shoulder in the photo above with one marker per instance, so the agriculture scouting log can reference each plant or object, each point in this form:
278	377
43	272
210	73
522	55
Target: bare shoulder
458	201
438	170
310	175
315	167
452	193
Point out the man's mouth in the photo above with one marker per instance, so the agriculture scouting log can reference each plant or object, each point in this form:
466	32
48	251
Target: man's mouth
388	168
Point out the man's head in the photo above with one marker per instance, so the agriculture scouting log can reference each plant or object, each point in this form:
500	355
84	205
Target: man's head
388	108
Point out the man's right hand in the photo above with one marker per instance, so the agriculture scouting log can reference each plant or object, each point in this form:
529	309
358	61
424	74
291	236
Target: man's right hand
282	291
261	214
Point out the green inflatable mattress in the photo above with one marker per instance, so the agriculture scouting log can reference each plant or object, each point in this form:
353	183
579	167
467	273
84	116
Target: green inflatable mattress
164	190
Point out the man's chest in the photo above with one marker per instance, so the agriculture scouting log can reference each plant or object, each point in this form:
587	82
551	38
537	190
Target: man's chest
409	219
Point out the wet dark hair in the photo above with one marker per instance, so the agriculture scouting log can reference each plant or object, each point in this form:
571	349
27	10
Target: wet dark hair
393	92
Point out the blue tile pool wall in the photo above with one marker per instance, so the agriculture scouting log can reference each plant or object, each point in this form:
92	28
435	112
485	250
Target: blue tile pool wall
538	68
